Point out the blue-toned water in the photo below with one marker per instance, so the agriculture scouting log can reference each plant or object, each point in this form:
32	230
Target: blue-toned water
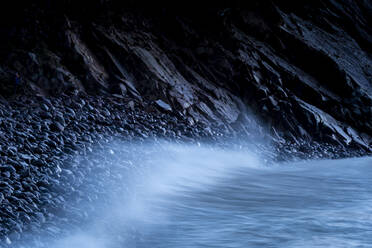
201	197
310	204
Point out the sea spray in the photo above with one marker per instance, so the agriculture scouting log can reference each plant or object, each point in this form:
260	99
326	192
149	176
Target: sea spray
173	195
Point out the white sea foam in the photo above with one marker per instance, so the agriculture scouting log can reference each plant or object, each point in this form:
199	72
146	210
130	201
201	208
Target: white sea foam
204	196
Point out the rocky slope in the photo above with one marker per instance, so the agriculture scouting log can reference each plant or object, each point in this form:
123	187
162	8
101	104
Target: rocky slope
304	69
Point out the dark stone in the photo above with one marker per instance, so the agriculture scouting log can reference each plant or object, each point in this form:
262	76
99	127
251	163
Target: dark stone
163	105
57	127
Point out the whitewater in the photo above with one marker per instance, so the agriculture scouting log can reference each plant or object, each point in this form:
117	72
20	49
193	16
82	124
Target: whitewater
173	195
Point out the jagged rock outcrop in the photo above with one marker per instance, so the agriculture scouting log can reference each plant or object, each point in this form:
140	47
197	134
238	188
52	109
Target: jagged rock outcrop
303	68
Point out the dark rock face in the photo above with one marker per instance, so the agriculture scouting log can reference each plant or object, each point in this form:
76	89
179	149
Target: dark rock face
305	69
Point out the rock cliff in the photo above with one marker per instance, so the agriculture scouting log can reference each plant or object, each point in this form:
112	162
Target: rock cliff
304	69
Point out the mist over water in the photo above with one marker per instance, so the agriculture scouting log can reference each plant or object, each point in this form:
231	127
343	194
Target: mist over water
203	196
